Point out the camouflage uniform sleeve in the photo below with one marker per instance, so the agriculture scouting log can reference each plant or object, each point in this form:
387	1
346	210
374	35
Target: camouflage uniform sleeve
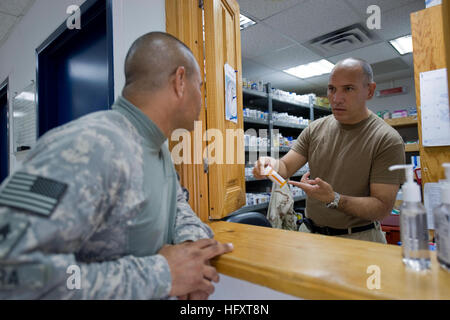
188	227
38	251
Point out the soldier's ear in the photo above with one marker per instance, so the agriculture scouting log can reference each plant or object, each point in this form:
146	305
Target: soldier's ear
180	82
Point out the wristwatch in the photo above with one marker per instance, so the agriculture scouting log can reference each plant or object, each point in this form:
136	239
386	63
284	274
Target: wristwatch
335	203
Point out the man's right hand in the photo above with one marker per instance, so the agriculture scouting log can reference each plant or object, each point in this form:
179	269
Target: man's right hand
189	268
261	164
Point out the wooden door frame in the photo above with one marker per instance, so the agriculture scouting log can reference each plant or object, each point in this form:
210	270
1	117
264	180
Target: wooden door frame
184	20
431	52
233	197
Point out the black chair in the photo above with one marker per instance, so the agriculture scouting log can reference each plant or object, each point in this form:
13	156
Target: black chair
252	218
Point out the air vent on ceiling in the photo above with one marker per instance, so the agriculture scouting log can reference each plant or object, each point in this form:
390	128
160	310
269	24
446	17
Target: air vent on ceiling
341	41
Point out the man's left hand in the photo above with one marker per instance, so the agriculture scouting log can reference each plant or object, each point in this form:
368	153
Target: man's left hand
315	188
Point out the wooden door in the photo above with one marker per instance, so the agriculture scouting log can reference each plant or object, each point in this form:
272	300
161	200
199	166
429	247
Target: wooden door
223	45
220	189
184	20
431	48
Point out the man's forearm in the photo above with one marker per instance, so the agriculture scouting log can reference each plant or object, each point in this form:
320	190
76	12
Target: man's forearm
282	170
369	208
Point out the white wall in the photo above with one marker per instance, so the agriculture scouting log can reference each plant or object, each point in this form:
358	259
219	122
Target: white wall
230	288
396	102
18	53
131	18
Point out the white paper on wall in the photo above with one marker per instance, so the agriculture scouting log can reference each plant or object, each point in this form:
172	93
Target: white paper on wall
435	108
230	94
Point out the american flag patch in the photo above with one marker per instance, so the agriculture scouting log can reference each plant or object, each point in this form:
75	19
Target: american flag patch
32	193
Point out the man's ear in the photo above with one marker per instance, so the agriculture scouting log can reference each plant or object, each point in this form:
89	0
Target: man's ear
372	87
180	81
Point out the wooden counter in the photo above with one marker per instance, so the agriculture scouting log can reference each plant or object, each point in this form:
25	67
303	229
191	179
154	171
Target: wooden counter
313	266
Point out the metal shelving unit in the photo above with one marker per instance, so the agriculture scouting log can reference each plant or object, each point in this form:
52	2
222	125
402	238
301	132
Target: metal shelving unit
265	101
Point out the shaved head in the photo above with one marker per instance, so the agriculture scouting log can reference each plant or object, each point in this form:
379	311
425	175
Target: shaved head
365	67
153	58
350	86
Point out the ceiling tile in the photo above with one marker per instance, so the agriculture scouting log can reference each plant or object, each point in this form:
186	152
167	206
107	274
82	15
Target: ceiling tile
278	79
394	75
372	54
320	81
6	24
14	7
258	40
312	19
385	5
387	66
409	59
265	8
252	70
396	23
287	57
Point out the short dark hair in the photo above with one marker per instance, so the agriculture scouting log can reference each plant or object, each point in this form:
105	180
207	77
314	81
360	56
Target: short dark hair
153	57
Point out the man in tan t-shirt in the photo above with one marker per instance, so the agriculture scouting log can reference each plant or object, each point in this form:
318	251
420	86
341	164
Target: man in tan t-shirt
349	186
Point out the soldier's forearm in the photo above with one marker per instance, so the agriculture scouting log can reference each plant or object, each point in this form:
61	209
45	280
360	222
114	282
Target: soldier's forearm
62	277
188	226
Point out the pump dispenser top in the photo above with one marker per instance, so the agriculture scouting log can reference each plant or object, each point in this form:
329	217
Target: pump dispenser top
410	189
445	188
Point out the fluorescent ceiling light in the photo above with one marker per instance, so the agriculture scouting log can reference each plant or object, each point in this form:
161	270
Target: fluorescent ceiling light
312	69
28	96
19	114
403	45
246	22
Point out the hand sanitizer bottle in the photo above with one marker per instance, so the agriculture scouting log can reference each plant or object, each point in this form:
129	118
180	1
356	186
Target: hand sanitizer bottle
442	222
413	224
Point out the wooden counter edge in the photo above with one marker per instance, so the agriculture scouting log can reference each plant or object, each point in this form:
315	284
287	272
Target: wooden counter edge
299	285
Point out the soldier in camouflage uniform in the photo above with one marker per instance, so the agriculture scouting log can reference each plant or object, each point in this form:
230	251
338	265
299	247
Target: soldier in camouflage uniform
99	198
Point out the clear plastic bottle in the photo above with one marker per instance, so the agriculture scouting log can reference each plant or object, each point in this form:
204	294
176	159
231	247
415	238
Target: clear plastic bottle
442	223
413	224
414	235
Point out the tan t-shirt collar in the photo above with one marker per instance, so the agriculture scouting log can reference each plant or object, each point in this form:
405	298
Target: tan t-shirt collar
355	125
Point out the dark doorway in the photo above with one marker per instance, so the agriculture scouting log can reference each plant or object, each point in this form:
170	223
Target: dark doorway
75	68
4	145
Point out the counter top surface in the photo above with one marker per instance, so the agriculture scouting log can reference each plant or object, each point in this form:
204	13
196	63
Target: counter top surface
314	266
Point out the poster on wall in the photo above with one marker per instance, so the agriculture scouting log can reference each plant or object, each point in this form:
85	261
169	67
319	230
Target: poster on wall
435	108
24	119
230	94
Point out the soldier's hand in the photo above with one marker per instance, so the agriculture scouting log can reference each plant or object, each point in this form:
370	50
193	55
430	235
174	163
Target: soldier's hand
197	295
189	265
261	164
